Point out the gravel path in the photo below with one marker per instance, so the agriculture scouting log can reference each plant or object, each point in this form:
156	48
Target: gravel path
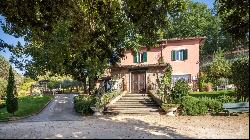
56	122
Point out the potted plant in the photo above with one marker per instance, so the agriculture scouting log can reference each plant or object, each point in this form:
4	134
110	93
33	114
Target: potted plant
170	108
97	108
209	87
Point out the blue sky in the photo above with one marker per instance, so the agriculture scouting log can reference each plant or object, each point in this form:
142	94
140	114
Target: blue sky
12	40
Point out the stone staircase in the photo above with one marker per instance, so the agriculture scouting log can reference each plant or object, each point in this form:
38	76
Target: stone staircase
132	103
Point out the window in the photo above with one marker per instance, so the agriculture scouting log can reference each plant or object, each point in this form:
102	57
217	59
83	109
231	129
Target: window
179	55
186	77
140	57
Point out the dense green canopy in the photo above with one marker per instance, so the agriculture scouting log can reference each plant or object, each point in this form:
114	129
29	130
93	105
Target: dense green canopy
235	18
80	38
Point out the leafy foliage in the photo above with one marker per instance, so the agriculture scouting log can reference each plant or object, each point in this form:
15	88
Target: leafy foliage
200	106
193	106
2	104
82	104
80	38
240	76
198	20
4	71
165	84
202	80
227	99
213	105
219	68
105	99
235	17
11	101
180	89
214	94
25	87
3	86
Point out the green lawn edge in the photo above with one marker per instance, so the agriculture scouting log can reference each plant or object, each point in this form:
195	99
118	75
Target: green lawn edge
13	118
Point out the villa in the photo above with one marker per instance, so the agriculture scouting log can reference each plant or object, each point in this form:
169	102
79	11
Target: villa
138	72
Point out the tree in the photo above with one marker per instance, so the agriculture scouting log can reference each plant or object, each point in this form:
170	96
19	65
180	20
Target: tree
11	101
220	67
80	38
4	72
3	85
235	18
199	20
240	76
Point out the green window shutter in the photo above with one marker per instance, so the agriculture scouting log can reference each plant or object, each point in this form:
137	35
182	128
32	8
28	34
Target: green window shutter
135	58
145	56
173	56
185	54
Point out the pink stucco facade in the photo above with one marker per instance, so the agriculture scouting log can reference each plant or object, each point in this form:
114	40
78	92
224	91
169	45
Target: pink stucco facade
127	72
189	66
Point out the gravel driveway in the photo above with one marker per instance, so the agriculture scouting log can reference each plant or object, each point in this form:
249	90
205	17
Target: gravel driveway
58	120
60	109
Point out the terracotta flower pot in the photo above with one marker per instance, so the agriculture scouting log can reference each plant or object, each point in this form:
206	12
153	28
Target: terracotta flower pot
209	87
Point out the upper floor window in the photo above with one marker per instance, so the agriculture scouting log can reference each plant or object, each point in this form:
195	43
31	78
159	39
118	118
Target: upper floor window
179	55
140	57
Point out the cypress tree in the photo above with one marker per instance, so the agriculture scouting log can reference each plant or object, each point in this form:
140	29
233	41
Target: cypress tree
11	101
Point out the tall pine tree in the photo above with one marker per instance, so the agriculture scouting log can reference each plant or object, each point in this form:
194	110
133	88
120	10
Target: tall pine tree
11	102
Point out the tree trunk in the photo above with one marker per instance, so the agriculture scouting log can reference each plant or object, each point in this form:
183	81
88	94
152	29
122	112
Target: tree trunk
77	88
71	89
84	85
90	86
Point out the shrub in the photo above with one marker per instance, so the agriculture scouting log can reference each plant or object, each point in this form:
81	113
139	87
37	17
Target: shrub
226	99
82	104
165	84
213	94
243	99
11	101
240	76
193	106
166	106
213	105
2	104
202	78
24	88
180	89
220	67
102	101
3	85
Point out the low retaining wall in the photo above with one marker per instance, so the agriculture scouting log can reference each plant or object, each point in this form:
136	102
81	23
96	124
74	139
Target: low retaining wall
156	97
116	98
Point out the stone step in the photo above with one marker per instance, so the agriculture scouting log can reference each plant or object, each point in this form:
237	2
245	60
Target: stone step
135	111
134	106
141	97
137	99
132	94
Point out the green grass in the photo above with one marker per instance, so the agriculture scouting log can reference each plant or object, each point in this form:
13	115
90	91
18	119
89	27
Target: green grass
213	94
26	106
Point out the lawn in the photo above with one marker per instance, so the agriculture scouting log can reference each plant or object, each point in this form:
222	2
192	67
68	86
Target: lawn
26	106
213	94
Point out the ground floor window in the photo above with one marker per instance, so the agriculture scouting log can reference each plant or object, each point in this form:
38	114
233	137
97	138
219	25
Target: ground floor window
186	77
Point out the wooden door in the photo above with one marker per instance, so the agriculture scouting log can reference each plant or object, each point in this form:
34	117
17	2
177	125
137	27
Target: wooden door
138	82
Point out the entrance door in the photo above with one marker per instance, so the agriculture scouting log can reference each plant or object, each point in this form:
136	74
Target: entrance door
138	83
